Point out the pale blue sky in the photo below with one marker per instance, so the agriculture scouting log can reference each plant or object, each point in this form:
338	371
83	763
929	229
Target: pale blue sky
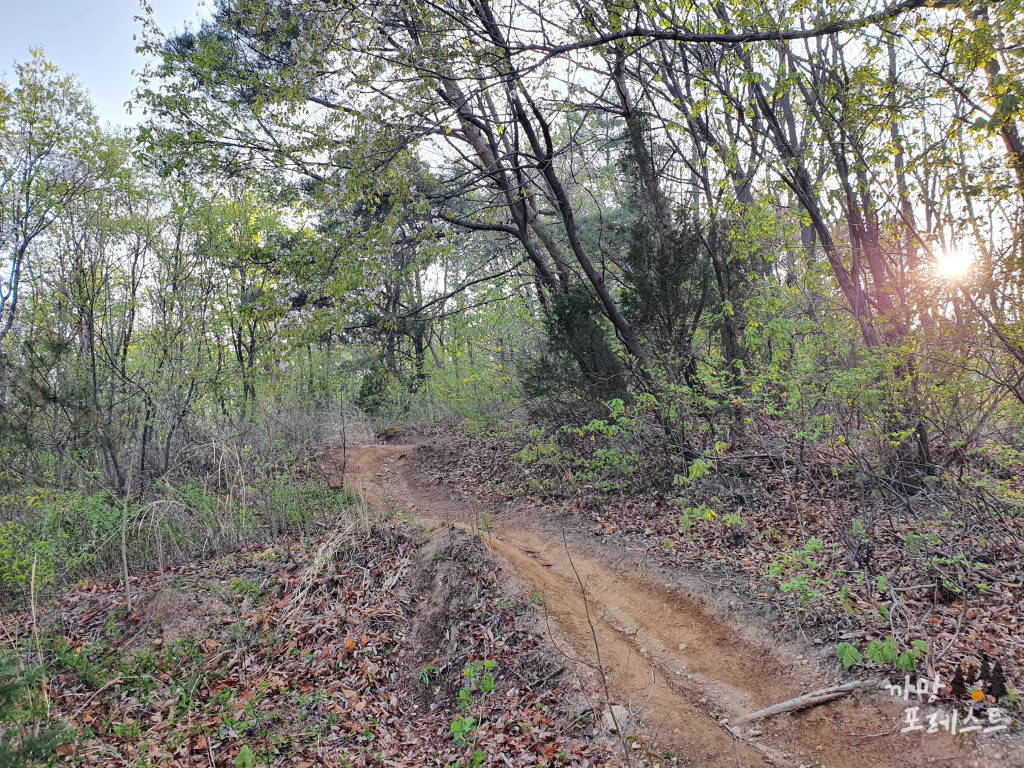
91	38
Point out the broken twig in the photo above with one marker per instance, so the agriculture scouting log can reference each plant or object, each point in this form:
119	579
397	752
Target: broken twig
809	700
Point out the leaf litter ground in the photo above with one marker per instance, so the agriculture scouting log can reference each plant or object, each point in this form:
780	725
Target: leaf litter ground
345	649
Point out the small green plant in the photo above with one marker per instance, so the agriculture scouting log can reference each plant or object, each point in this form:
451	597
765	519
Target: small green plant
542	447
686	518
246	758
690	515
849	656
112	628
908	659
730	519
428	672
475	761
698	469
882	653
479	683
483	526
463	730
800	571
537	598
28	734
245	589
127	731
618	421
1011	699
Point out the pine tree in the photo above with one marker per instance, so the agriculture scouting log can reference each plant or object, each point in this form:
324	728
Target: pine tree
970	677
959	685
985	672
997	686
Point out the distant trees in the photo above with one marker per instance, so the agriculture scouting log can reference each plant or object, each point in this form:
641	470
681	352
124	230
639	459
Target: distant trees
682	183
48	132
128	303
711	205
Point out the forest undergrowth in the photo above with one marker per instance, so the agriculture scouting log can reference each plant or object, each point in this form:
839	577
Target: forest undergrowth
374	642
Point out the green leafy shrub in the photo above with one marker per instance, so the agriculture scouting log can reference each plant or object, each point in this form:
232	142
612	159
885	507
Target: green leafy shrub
373	392
882	653
800	571
62	535
541	447
16	558
579	366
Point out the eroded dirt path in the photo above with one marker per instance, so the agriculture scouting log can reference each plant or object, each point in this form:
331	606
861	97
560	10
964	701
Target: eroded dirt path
663	650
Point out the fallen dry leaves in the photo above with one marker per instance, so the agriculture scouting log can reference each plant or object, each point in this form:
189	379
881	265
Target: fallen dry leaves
312	653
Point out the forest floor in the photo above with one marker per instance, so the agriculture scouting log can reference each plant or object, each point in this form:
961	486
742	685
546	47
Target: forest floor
377	642
682	655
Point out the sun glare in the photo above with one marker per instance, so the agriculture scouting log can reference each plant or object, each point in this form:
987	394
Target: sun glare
954	263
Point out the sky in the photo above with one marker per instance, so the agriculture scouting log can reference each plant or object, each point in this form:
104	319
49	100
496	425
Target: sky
90	38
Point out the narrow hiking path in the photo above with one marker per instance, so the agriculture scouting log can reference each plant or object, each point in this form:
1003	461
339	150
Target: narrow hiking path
664	651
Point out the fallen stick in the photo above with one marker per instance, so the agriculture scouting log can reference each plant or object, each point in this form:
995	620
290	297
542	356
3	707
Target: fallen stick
808	700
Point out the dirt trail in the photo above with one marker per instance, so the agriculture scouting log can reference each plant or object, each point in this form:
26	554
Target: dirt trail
703	669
